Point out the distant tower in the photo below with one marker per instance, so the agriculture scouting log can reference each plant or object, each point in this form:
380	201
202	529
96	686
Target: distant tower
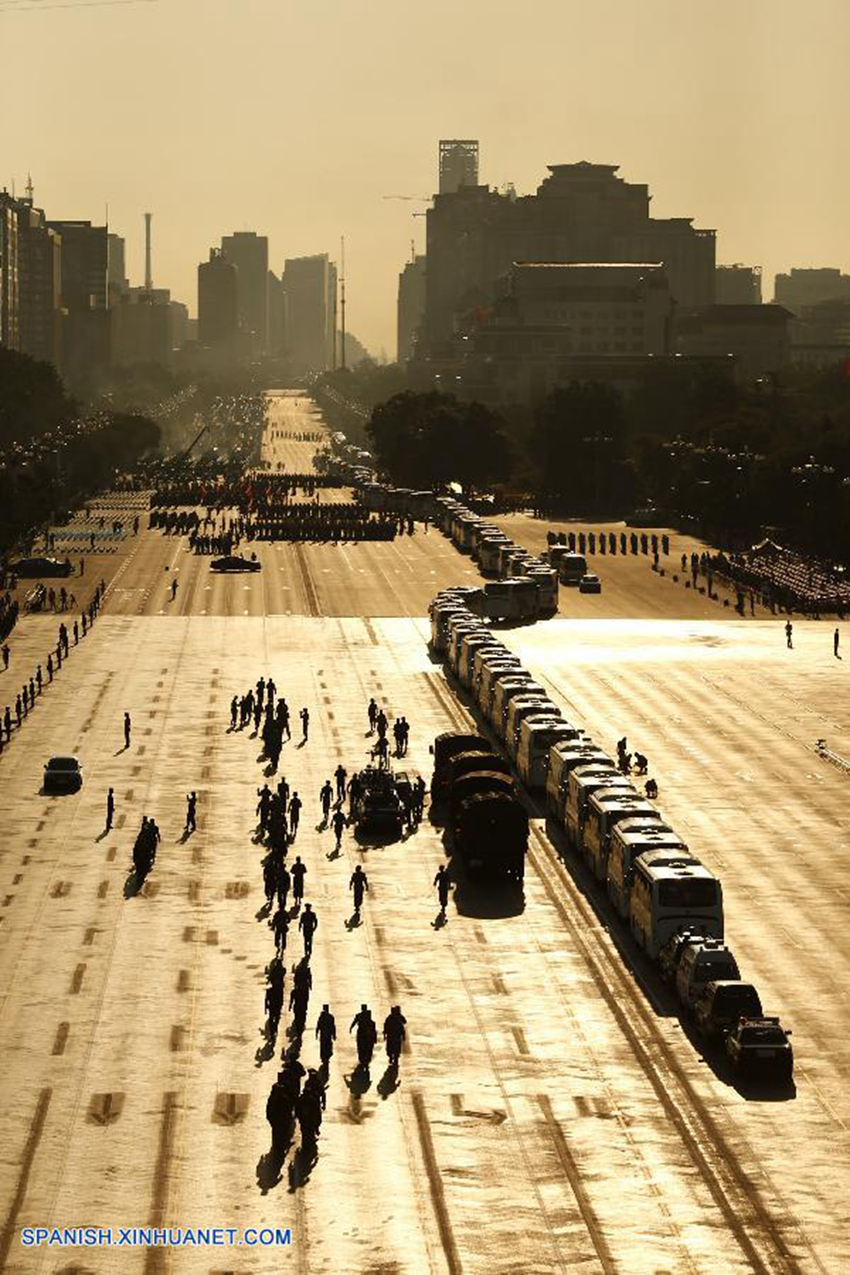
148	272
342	304
458	165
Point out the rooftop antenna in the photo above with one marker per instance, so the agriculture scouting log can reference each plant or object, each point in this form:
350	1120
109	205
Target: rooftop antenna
342	305
148	274
29	188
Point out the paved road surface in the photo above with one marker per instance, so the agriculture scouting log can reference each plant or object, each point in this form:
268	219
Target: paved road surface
552	1112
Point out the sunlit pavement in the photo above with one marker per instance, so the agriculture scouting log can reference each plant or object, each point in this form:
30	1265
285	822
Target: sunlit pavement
551	1112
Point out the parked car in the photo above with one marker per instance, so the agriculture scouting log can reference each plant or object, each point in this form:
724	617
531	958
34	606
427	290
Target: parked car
233	562
589	583
33	567
63	774
703	961
760	1047
721	1005
671	953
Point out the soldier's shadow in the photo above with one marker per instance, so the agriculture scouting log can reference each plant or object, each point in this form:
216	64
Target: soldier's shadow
269	1168
134	884
302	1165
359	1082
389	1082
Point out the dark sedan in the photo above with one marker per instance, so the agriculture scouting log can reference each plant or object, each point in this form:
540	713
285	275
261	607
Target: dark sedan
234	563
35	567
63	774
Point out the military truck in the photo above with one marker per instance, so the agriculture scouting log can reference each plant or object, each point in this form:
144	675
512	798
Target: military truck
490	836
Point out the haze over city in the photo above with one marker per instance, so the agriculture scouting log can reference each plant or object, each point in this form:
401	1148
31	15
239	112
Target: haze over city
295	120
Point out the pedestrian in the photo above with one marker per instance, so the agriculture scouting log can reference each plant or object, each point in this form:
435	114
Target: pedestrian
7	722
382	749
397	728
373	715
835	640
394	1034
305	722
641	763
270	690
326	1033
294	814
441	881
381	724
280	929
326	798
359	884
338	823
127	728
191	806
340	774
76	633
299	872
419	798
367	1034
234	712
173	588
5	656
308	925
110	809
50	667
789	634
18	711
38	678
264	806
283	884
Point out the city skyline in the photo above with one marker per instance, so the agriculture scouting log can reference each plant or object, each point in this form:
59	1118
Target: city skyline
273	152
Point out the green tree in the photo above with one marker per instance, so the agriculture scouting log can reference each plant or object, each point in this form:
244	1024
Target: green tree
432	439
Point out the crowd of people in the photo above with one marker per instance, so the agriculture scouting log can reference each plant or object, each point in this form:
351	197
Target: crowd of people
782	580
18	710
241	489
298	1095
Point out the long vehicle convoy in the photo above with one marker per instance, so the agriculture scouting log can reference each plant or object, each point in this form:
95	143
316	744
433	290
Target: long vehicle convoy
652	878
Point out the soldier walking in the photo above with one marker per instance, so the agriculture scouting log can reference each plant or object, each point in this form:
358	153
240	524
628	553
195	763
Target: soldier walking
359	884
441	881
294	814
338	823
394	1034
326	797
127	728
191	807
308	924
326	1033
110	809
299	872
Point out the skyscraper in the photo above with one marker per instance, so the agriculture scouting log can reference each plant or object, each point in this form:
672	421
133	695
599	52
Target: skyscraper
581	213
86	323
9	297
458	165
218	302
310	287
411	305
249	253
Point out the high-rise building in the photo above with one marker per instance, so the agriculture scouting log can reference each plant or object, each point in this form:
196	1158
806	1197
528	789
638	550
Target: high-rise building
458	165
85	324
249	253
9	295
581	213
737	285
411	305
809	286
40	285
218	302
141	330
277	315
310	285
116	269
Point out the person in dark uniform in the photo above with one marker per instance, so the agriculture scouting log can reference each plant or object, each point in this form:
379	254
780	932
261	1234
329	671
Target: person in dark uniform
191	807
308	924
395	1025
127	728
441	881
110	809
359	884
299	872
326	797
326	1033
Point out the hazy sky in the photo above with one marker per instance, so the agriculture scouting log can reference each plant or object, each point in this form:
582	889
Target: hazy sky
294	119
